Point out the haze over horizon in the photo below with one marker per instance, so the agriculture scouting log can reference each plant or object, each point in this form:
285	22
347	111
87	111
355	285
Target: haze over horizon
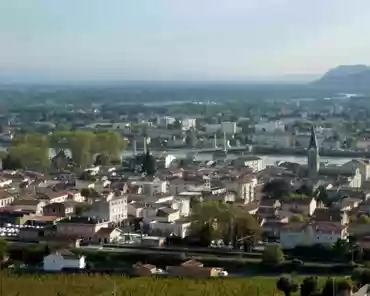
179	40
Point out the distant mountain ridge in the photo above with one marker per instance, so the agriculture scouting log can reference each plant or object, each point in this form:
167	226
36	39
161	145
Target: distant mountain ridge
348	76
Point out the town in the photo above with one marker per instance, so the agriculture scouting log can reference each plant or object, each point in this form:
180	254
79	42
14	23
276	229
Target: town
177	196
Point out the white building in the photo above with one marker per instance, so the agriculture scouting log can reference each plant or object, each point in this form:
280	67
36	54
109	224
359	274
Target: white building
182	203
228	127
188	123
244	187
63	260
211	129
113	210
270	126
307	234
254	162
165	121
274	139
177	228
151	186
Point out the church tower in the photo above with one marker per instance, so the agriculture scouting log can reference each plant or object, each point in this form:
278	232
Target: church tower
313	158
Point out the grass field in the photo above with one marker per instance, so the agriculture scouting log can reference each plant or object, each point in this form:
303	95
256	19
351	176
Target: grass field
100	285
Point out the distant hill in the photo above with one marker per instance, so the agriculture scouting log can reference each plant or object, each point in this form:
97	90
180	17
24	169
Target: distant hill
346	77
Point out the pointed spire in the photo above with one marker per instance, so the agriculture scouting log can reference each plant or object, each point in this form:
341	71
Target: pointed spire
313	140
134	148
145	145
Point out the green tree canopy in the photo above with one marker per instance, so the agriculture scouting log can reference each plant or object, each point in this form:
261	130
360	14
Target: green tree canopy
286	285
223	221
272	254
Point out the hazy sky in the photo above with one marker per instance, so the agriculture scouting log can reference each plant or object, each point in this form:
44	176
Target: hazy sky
180	39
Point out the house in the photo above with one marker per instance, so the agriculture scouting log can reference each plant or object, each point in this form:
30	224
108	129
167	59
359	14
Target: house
82	227
114	209
182	203
167	215
361	164
59	209
254	162
311	233
6	198
51	196
62	260
151	186
177	228
243	186
107	235
300	205
32	205
330	215
193	269
135	209
178	185
348	203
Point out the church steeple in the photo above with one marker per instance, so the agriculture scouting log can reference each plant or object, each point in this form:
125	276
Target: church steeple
313	139
313	158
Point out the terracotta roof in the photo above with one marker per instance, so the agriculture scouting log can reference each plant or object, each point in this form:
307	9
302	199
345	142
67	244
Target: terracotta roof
26	202
192	263
333	215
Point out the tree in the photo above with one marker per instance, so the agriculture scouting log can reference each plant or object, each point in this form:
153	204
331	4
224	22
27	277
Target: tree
86	192
305	189
149	164
364	219
342	248
296	218
286	285
60	160
222	221
276	188
272	254
109	143
30	157
322	196
333	287
365	277
344	287
309	286
80	145
102	159
357	276
10	162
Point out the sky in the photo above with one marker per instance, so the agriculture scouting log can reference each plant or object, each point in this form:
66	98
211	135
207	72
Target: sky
180	39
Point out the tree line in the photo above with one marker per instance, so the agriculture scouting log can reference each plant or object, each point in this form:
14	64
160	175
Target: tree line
32	151
214	221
